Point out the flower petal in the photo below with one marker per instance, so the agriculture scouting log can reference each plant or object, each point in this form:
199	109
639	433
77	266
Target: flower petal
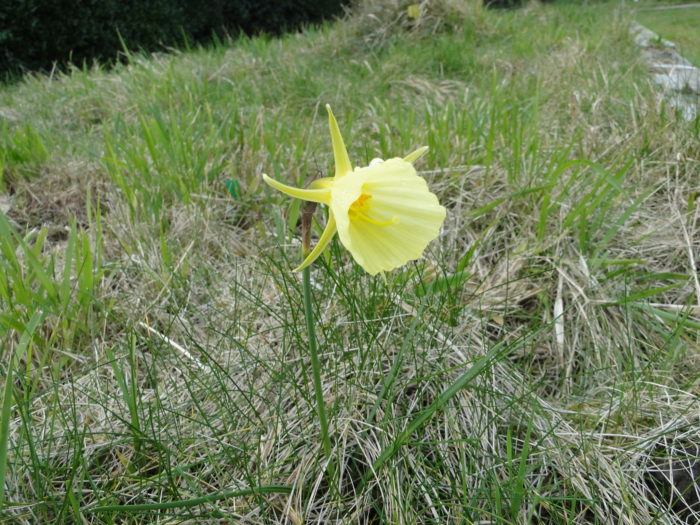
409	214
326	237
345	191
325	182
340	154
314	195
414	156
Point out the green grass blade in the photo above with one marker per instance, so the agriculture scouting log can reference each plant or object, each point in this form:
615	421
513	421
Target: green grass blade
482	364
7	399
265	489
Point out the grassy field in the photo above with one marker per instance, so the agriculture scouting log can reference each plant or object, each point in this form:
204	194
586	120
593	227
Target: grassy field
680	26
540	364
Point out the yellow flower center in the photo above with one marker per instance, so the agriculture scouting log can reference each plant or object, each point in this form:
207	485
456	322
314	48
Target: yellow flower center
359	207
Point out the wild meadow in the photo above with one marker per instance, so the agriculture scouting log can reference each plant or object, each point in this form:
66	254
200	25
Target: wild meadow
539	364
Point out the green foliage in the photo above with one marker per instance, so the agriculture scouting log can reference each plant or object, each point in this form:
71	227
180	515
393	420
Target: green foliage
503	3
37	34
62	287
22	151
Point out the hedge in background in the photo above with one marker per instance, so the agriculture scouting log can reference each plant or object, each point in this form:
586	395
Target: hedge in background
35	34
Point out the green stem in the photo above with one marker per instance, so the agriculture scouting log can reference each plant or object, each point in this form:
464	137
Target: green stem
315	364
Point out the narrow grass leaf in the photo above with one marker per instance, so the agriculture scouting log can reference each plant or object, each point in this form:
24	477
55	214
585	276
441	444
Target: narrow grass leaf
669	316
265	489
482	364
442	284
643	294
7	399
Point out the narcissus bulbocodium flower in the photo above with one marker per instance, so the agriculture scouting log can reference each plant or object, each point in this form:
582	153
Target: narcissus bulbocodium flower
384	213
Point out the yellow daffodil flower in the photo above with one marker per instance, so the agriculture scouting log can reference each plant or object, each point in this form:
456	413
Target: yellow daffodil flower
384	213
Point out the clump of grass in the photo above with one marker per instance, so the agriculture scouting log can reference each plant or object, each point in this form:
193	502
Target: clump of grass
539	364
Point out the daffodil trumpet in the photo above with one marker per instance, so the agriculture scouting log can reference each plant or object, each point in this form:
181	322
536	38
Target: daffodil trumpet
384	213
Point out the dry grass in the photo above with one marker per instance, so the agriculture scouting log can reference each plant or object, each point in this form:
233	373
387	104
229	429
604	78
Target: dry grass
178	378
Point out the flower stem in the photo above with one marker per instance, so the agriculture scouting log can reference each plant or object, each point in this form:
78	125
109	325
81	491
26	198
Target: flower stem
315	364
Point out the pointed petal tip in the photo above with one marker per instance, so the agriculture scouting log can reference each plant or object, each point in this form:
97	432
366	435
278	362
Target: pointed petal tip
415	155
340	154
313	195
326	237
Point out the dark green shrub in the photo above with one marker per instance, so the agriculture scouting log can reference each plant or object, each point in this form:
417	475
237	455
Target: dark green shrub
502	3
507	4
36	34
